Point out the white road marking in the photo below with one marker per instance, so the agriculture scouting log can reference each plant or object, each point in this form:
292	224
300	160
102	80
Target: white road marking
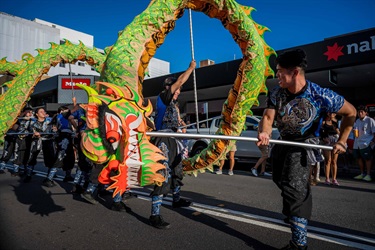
267	222
262	221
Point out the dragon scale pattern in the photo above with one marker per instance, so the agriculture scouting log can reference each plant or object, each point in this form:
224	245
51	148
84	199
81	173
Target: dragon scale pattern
29	72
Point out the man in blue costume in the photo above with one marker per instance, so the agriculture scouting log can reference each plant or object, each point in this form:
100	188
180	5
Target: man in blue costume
65	158
167	119
297	106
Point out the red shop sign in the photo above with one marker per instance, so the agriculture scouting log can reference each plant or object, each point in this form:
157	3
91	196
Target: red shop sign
67	84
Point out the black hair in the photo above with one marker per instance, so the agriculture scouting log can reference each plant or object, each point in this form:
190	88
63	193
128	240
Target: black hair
292	58
169	81
37	110
62	108
362	107
64	111
27	109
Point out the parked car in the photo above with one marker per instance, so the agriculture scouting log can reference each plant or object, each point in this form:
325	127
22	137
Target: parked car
246	150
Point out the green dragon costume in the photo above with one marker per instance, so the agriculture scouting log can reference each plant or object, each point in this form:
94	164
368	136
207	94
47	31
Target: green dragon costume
116	135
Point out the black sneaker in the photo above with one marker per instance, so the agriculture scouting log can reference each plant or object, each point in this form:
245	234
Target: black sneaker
21	173
120	207
15	174
293	246
287	220
68	178
129	195
86	184
88	196
181	203
2	171
27	179
158	222
77	189
48	183
104	192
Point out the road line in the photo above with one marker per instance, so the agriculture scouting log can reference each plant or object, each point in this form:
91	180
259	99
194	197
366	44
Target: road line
269	223
258	220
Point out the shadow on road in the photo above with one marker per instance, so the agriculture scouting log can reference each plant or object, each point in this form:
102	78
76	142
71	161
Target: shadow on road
33	194
215	223
347	187
222	226
218	224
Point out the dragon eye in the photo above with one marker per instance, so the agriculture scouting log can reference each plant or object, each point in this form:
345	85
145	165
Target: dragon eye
113	127
109	91
112	136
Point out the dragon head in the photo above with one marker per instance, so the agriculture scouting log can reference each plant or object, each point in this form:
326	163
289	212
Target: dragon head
116	138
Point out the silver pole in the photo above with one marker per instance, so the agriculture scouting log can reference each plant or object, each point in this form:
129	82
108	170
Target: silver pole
194	77
206	109
29	133
41	133
71	80
238	138
186	126
23	118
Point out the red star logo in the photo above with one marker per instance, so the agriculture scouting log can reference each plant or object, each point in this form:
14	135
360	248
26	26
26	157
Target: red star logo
333	52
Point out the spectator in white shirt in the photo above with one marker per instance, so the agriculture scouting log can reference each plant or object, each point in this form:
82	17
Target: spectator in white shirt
364	142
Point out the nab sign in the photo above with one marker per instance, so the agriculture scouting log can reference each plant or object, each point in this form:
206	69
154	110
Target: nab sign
345	51
335	51
341	51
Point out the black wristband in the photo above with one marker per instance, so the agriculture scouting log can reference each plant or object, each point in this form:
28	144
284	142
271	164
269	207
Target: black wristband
342	145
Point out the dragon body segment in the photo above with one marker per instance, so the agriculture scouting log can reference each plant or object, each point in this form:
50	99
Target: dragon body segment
14	68
250	81
30	70
116	117
138	42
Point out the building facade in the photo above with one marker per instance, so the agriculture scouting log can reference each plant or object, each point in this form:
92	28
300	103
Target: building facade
345	64
19	36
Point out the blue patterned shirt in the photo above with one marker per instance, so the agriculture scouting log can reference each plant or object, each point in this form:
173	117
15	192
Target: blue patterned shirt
298	115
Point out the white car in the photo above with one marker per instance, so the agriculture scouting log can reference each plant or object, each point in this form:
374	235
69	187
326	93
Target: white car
246	150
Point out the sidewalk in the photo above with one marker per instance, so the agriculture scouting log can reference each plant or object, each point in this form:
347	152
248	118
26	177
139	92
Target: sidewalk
347	167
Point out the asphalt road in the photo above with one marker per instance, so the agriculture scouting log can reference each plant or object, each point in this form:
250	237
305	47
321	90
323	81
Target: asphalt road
229	212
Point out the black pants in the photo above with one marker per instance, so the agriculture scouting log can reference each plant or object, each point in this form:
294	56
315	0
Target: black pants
48	147
95	171
291	174
171	149
84	163
9	148
65	158
22	152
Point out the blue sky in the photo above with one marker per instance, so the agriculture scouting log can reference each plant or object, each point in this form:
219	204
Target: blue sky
292	23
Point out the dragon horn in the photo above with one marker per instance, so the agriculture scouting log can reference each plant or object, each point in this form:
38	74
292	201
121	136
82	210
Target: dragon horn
148	108
91	93
117	91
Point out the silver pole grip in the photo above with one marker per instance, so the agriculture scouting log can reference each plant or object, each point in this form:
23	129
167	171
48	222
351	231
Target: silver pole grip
237	138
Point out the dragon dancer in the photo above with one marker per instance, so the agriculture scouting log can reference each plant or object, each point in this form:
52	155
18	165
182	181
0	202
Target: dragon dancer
43	139
167	114
23	141
19	145
297	106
